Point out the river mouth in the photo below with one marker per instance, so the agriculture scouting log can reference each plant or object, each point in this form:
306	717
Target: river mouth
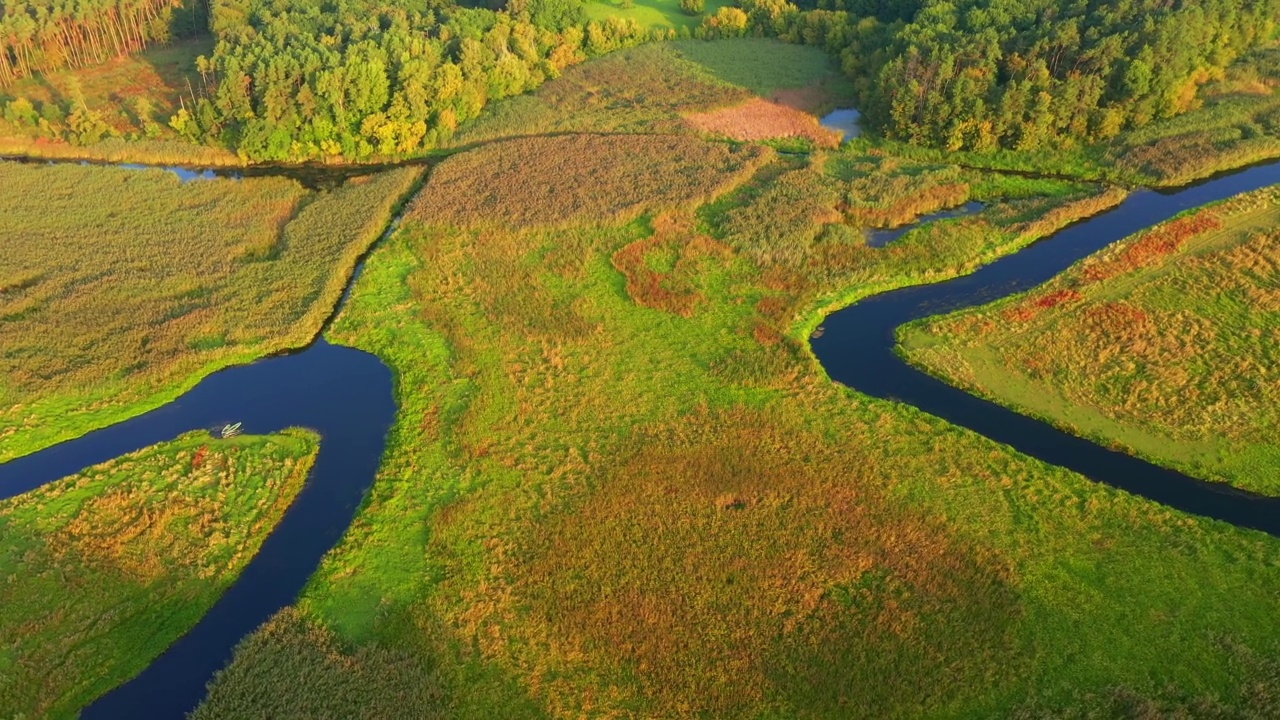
857	346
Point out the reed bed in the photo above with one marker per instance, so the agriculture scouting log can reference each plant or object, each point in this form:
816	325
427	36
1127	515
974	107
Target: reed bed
586	178
119	287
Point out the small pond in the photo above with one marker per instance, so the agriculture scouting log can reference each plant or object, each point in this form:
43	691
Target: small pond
845	121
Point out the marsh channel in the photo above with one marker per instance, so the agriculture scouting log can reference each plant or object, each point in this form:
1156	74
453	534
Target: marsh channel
347	396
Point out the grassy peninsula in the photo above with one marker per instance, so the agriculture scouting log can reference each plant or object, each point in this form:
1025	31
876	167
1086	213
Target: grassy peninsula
1163	344
104	569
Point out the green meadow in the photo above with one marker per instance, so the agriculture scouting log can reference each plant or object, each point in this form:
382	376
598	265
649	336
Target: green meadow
652	14
620	485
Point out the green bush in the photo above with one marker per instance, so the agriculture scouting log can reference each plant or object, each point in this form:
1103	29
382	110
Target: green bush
693	7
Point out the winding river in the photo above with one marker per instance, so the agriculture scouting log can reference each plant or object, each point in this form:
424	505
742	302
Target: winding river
347	396
858	349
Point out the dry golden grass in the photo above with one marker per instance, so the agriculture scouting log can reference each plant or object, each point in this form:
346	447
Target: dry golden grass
759	119
106	568
119	285
583	178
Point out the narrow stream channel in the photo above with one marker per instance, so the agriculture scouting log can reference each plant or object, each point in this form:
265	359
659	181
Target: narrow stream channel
344	394
347	396
858	349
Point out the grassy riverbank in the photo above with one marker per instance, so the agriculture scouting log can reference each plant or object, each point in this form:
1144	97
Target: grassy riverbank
620	485
1164	344
121	287
103	570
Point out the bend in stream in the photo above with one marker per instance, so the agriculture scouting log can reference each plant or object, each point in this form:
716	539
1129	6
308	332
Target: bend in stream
344	394
857	348
347	396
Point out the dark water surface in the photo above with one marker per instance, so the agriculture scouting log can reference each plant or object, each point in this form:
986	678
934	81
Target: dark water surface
344	394
857	349
311	176
846	121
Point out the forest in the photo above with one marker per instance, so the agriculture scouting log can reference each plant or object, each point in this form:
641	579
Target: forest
41	35
359	79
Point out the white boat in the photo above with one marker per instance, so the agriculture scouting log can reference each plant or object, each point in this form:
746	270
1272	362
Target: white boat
231	430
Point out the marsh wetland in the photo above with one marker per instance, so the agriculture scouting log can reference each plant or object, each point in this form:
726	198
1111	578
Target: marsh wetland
624	387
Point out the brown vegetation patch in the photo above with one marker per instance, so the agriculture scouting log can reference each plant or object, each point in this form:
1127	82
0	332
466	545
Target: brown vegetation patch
603	178
1031	309
1153	246
672	290
808	99
759	119
728	573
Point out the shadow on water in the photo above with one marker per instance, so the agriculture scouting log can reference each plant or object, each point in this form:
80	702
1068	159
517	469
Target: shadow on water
311	177
858	348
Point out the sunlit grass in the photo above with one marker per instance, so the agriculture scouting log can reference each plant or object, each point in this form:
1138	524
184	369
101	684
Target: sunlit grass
103	570
651	14
135	96
619	485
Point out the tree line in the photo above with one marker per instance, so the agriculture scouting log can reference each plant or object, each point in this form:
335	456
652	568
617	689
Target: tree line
1023	74
38	36
359	78
291	80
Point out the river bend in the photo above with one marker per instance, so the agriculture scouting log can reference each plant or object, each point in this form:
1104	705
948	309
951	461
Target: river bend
858	349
